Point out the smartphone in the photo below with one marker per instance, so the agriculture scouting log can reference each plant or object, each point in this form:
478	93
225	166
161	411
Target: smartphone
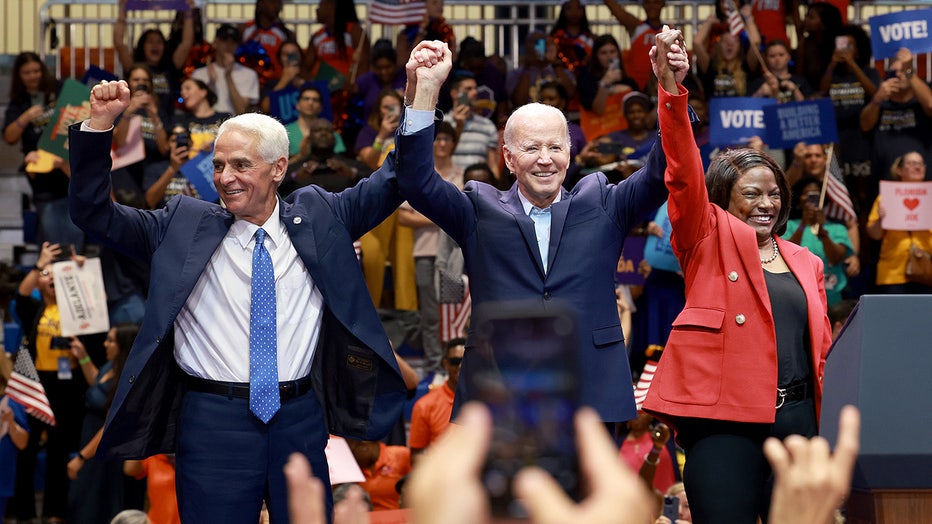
292	59
463	99
609	148
393	111
614	64
891	73
60	343
182	137
671	508
142	88
841	42
540	47
66	251
531	387
813	198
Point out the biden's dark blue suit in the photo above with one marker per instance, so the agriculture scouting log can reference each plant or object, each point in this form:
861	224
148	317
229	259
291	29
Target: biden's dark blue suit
503	260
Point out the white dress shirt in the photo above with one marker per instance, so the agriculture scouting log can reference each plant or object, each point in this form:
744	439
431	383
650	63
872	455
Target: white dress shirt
541	224
212	328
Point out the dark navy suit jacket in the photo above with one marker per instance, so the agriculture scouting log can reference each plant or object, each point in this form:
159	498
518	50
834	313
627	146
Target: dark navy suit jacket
356	377
588	228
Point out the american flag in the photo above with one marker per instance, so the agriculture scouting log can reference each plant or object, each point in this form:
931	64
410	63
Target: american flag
735	22
838	203
647	376
397	11
455	317
25	388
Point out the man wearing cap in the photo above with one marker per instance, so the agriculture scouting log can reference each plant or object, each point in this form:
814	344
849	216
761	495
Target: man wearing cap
636	141
236	86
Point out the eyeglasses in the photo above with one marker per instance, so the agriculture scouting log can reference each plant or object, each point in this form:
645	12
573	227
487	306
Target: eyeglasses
914	163
455	361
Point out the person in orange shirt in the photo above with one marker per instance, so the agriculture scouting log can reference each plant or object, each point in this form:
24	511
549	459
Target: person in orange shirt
431	414
383	466
160	472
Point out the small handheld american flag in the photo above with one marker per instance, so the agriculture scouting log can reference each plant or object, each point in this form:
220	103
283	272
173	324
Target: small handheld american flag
735	21
25	388
837	200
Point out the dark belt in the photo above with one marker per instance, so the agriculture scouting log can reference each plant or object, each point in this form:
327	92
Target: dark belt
287	390
792	393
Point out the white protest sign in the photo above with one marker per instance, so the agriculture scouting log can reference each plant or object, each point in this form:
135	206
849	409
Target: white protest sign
907	206
82	301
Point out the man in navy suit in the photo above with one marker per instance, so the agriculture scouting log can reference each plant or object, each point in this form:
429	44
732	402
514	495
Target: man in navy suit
538	243
186	386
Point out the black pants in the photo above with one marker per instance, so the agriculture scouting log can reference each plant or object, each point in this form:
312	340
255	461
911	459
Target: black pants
727	476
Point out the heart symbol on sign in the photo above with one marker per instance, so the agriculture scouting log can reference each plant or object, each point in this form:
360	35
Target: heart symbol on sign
911	203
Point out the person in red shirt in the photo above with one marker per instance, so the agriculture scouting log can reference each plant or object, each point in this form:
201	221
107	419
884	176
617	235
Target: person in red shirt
641	33
431	414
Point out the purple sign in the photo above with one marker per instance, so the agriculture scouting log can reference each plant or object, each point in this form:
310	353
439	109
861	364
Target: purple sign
151	5
631	256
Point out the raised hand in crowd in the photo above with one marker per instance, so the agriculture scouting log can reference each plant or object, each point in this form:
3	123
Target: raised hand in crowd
811	482
446	488
141	99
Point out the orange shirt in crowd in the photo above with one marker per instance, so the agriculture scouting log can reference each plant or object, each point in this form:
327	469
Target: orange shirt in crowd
163	502
394	462
430	416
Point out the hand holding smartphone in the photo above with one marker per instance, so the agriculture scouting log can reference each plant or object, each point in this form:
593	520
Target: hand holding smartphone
462	99
532	391
671	508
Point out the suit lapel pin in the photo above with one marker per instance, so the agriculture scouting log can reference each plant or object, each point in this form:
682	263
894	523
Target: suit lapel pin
296	220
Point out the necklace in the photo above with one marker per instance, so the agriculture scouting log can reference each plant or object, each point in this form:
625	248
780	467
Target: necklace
776	251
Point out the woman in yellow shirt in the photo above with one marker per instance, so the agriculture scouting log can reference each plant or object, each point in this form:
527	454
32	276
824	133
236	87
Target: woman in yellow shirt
895	244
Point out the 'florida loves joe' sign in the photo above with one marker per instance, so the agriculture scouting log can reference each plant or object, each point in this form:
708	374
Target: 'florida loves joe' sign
909	29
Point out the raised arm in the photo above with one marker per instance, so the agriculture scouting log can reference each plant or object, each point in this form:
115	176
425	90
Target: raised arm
688	201
441	202
131	230
187	38
123	49
626	19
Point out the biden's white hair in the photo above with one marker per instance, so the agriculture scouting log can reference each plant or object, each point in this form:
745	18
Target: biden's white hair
534	110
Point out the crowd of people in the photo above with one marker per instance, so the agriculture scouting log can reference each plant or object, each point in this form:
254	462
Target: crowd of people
526	187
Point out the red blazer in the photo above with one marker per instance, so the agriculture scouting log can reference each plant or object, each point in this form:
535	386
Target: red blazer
720	361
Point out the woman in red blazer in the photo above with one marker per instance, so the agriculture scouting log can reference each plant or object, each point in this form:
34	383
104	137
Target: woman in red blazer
745	357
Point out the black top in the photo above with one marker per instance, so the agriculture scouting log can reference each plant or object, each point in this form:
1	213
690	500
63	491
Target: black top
791	322
45	186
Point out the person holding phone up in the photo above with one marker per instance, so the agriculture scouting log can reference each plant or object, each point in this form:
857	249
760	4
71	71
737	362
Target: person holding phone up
477	135
745	358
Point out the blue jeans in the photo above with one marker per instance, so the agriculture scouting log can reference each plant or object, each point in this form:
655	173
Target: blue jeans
55	225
